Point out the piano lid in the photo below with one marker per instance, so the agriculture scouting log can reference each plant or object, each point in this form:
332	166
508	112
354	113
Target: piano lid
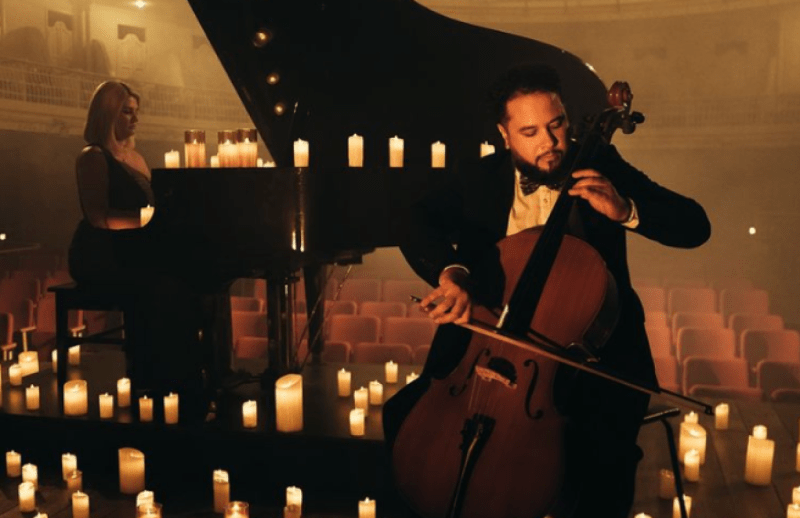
322	70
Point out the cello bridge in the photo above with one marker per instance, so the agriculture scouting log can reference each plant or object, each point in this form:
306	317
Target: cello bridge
487	374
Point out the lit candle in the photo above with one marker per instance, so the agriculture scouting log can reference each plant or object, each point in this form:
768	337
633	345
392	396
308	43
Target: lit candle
54	360
30	473
74	355
796	495
75	481
797	459
692	437
343	378
291	511
195	148
691	417
355	151
32	397
106	406
357	422
666	484
80	505
222	490
642	515
721	416
29	362
289	403
760	431
294	496
301	153
486	149
27	497
395	152
151	510
758	463
146	497
437	155
131	471
793	510
237	510
76	402
391	372
361	399
171	408
146	214
259	162
366	508
411	377
691	465
172	159
375	393
676	506
145	409
124	392
13	464
249	414
214	161
69	463
15	374
269	163
248	147
227	149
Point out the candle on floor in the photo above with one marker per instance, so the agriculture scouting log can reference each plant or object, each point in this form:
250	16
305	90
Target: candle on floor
28	362
222	490
15	374
361	400
146	497
411	377
13	464
30	473
172	159
375	393
237	510
357	428
145	409
691	417
32	397
486	149
69	463
396	152
76	401
146	214
289	403
249	414
151	510
366	508
54	360
301	153
758	462
642	515
80	505
692	437
294	496
171	404
195	148
75	481
355	151
124	392
106	402
760	431
797	459
131	471
343	378
40	515
691	465
721	416
391	372
27	497
666	484
74	355
793	510
676	506
437	155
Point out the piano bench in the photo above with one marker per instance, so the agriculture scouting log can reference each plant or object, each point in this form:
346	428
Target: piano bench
72	296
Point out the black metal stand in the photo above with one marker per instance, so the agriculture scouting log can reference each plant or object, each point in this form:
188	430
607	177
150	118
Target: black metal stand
663	415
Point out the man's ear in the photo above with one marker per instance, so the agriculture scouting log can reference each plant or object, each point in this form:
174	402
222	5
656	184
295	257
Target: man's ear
503	132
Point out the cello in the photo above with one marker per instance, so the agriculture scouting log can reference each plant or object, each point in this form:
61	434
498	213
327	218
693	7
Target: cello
489	439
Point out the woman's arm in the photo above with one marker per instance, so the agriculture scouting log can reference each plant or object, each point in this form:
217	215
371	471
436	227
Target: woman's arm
92	174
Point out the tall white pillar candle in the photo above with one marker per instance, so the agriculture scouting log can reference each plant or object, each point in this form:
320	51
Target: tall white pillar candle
343	378
666	484
758	462
54	360
131	471
692	437
171	403
396	152
486	149
301	153
69	463
361	400
249	414
248	151
691	465
721	416
366	508
289	403
32	397
124	392
357	428
237	510
145	409
375	393
30	473
80	505
15	374
28	362
195	148
437	155
27	497
106	402
355	151
294	496
76	400
74	355
391	372
13	464
172	159
676	506
222	490
75	481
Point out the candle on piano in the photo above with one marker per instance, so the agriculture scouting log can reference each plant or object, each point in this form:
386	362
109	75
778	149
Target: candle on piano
172	159
13	464
259	162
124	392
145	409
74	355
227	148
366	508
54	360
666	484
106	402
269	163
145	215
214	161
28	362
758	462
486	149
355	151
391	372
32	397
171	403
289	403
343	378
357	422
15	374
249	414
301	153
195	148
437	155
30	473
80	505
247	142
676	506
146	497
75	480
396	152
69	463
691	465
222	490
131	471
692	437
237	510
721	412
27	497
361	400
76	400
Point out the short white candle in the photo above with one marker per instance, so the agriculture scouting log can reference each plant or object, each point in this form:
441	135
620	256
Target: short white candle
269	163
760	431
76	401
27	497
74	355
29	362
411	377
259	162
692	437
69	463
40	515
146	214
75	481
54	360
289	403
80	505
375	393
294	496
131	471
486	149
691	465
237	510
676	506
793	510
15	374
214	161
691	417
642	515
343	378
796	495
32	397
301	153
721	412
249	414
124	392
248	151
145	497
366	508
171	403
758	463
361	400
172	159
396	152
391	372
437	155
145	409
30	473
106	402
666	484
13	464
355	151
222	490
357	422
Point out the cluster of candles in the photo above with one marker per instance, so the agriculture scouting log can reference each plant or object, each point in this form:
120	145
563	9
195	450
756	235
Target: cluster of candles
235	148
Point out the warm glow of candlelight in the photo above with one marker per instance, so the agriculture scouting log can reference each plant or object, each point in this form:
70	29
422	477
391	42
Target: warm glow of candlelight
486	149
106	402
357	428
355	151
343	378
171	404
301	153
124	392
391	372
222	490
76	400
396	152
289	403
438	151
131	471
721	412
249	414
172	159
361	400
366	508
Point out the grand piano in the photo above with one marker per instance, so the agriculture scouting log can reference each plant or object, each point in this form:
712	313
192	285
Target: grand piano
322	70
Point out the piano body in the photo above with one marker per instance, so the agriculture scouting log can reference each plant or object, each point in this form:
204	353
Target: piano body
322	70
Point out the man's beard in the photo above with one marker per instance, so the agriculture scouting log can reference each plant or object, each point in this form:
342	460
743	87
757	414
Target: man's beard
552	179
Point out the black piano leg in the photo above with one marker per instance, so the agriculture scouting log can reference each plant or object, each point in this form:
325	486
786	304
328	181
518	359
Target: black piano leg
315	278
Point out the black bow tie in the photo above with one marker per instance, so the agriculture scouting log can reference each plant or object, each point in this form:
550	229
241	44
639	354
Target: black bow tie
527	185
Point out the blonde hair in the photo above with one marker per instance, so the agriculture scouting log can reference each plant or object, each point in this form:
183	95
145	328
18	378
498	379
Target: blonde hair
104	108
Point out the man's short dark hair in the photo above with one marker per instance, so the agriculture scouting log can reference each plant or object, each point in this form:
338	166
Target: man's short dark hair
521	80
